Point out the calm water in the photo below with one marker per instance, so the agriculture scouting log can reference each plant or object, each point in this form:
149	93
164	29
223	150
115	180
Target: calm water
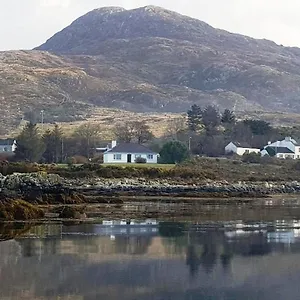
187	260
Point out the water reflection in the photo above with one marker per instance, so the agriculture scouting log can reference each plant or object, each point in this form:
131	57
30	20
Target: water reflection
222	260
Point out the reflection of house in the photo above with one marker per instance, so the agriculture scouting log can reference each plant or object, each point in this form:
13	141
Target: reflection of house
128	153
287	148
8	146
240	148
283	236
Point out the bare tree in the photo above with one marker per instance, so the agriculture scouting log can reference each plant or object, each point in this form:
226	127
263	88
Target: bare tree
175	127
87	133
135	131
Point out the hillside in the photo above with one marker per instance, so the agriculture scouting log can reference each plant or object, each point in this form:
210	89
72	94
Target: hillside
146	60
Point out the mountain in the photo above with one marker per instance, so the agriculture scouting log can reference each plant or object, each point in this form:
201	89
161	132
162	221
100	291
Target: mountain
148	59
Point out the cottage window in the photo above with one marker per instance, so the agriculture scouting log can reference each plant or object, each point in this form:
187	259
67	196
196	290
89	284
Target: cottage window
117	156
150	156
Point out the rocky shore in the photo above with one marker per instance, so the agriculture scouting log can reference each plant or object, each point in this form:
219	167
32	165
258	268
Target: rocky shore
165	187
21	194
41	188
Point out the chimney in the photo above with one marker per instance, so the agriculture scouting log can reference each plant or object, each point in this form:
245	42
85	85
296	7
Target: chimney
113	144
288	138
269	143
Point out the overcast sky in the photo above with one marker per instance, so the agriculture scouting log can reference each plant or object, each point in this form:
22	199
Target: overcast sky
25	24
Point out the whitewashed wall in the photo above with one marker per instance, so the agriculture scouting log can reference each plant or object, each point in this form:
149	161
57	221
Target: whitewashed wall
108	158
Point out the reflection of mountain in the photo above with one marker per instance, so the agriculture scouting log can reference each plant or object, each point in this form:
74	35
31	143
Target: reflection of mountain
204	263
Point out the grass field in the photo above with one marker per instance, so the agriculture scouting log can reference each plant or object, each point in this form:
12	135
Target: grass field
163	166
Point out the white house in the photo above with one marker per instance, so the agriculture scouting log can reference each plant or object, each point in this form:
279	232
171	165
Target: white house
240	148
287	148
8	146
279	152
128	153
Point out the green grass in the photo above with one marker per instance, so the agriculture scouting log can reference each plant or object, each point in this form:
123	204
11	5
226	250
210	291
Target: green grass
163	166
133	165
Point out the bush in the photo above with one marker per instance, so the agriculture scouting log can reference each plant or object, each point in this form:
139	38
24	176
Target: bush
297	166
79	159
140	160
98	159
173	152
252	158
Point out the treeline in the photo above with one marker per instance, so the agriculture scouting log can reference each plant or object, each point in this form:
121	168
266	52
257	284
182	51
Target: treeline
53	146
208	130
202	131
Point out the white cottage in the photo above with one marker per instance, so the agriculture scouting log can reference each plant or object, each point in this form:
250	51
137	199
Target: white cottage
128	153
287	148
240	148
8	146
279	152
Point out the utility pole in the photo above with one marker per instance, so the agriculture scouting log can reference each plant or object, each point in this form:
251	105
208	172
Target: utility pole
62	150
42	113
190	143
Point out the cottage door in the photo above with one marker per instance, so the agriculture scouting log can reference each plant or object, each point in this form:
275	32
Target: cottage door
129	158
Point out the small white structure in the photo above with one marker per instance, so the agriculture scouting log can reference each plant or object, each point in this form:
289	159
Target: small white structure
8	146
240	148
128	153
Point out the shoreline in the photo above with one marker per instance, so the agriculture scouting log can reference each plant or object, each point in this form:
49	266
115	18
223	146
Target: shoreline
22	193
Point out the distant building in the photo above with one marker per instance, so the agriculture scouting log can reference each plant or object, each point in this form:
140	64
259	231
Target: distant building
287	148
279	152
128	153
8	146
240	148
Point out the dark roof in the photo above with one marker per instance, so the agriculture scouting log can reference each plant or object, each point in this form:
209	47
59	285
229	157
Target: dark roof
130	148
6	142
272	151
242	144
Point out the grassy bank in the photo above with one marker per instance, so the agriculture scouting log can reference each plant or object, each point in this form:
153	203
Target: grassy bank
200	169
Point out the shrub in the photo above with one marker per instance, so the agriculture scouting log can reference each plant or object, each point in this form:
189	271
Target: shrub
79	159
97	159
173	152
252	158
140	160
297	166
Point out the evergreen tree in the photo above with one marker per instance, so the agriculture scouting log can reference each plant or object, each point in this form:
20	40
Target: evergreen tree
174	152
53	143
211	117
194	117
30	146
259	127
228	117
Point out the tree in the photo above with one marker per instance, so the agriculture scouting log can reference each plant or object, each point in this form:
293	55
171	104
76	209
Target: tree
194	117
212	146
241	133
228	117
136	131
30	145
175	127
53	142
174	152
259	127
87	134
211	117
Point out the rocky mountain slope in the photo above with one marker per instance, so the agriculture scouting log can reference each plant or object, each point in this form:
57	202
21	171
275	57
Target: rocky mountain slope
147	59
